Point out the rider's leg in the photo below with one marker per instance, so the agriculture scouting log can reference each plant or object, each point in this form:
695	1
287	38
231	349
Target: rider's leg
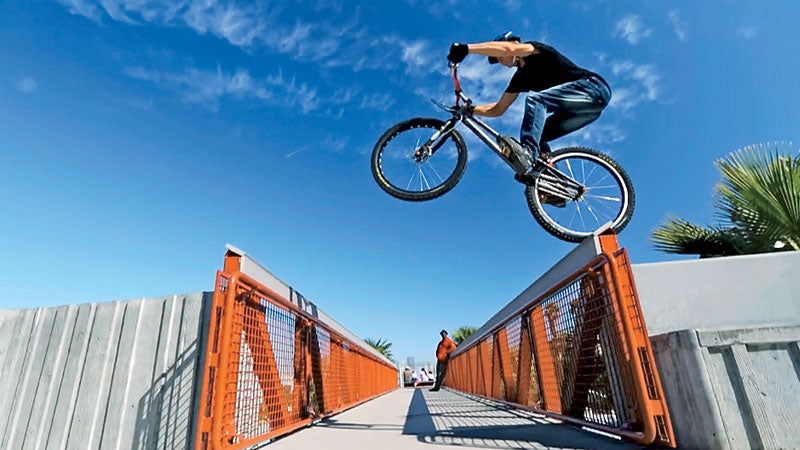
532	122
562	123
577	103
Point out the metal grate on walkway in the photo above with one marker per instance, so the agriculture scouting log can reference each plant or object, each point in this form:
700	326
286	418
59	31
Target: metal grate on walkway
408	419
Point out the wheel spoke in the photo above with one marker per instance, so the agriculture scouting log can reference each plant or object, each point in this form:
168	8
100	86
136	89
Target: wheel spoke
404	166
597	190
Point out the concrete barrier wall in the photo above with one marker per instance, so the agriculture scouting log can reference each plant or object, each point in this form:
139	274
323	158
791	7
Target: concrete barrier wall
115	375
725	336
732	389
737	291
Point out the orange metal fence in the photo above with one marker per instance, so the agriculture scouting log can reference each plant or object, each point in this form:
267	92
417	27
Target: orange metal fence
579	352
270	368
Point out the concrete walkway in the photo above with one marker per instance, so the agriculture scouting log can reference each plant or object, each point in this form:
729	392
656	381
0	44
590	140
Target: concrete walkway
417	418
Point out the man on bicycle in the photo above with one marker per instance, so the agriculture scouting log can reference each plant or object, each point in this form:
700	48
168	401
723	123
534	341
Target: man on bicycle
573	97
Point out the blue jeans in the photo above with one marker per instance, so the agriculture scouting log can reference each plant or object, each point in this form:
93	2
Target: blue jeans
571	106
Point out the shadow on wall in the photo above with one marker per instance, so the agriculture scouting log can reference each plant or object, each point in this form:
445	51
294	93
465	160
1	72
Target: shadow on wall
167	413
165	417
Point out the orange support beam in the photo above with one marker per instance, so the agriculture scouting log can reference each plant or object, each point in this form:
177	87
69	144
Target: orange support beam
484	348
506	366
548	378
525	362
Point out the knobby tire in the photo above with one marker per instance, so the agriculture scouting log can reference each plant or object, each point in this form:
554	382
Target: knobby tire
620	177
405	164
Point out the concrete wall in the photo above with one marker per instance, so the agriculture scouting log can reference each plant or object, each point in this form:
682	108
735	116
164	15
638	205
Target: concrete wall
732	389
725	335
116	375
737	291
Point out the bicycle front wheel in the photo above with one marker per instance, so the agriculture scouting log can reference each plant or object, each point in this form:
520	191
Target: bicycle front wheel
586	190
419	159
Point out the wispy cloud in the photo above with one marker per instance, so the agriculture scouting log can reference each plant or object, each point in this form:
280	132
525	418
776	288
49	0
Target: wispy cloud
632	29
748	33
597	134
329	143
239	25
338	40
645	87
377	101
86	8
208	88
679	26
27	85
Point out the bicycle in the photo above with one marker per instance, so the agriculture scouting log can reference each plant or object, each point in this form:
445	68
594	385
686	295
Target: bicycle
572	192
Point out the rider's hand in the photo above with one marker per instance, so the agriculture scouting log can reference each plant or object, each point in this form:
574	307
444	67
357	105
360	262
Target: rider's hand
458	52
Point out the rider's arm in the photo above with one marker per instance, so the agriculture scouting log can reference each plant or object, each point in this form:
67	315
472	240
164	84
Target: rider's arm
497	108
501	49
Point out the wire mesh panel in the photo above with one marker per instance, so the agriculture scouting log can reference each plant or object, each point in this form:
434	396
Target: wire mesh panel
271	368
578	351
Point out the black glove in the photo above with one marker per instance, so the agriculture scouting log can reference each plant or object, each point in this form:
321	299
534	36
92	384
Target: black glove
458	52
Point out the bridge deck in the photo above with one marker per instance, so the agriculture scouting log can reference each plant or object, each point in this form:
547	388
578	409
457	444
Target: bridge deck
417	418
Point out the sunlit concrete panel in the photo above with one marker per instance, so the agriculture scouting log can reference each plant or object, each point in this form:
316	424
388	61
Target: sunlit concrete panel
114	375
737	291
732	388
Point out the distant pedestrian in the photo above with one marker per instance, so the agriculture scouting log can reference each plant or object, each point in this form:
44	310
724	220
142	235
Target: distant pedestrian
423	376
414	378
443	350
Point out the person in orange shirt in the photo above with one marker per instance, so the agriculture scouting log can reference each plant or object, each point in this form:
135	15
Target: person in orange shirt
443	350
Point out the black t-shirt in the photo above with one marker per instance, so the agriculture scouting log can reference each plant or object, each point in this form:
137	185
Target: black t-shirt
544	69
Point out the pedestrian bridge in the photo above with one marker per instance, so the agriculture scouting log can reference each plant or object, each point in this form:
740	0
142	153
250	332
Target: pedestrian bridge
566	364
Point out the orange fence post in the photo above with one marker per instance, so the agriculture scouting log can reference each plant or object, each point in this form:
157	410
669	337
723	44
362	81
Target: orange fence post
548	379
525	363
485	361
658	424
506	368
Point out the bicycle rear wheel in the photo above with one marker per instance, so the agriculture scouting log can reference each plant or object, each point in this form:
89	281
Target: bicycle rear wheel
419	159
587	190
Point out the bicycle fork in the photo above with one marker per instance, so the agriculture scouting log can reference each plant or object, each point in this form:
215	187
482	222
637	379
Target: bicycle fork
435	142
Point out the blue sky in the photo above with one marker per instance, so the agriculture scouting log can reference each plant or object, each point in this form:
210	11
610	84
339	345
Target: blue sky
138	137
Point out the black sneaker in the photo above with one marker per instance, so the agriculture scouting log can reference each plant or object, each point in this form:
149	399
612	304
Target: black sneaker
544	150
528	178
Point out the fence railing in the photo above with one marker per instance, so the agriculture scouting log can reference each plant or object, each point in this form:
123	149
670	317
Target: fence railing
578	351
271	368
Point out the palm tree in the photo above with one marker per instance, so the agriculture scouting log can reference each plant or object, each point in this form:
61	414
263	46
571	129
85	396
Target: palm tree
462	333
381	345
758	206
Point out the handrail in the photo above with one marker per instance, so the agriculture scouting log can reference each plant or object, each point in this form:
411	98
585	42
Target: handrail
594	309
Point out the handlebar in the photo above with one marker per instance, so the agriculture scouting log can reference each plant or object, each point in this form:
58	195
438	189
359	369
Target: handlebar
459	94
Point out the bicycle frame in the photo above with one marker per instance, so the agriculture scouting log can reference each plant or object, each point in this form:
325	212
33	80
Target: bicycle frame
463	114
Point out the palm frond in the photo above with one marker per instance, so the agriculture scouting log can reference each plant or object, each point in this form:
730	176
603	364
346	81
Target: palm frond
760	194
381	345
679	236
462	333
